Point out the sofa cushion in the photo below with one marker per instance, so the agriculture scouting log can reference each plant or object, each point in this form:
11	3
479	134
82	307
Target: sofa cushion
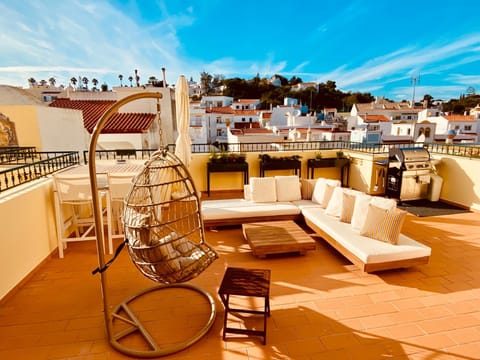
307	187
320	190
361	206
383	224
247	192
348	204
240	208
263	189
327	195
366	249
288	188
335	204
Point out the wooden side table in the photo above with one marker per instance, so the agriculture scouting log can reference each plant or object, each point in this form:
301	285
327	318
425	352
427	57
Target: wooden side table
246	282
226	167
286	164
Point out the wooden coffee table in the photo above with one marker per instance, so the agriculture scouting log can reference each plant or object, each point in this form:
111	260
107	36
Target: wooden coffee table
277	237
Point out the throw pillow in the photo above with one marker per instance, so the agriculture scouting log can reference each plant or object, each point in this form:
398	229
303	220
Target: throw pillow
319	190
348	204
307	186
327	195
334	207
383	224
360	210
263	189
288	188
247	192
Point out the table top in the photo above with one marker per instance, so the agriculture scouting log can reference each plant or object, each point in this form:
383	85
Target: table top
277	232
247	282
110	167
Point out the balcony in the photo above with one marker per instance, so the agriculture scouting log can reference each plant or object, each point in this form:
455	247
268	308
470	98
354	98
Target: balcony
322	306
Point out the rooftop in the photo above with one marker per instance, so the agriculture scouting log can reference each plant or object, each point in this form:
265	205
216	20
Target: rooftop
322	307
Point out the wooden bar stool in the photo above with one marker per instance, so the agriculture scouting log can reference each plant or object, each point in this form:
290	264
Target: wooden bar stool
246	282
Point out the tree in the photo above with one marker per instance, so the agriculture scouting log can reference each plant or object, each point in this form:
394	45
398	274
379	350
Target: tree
121	78
428	99
130	78
43	82
32	81
206	82
94	82
217	81
73	80
295	80
52	81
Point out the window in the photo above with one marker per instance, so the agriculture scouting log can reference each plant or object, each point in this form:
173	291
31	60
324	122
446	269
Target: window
408	131
467	127
421	131
427	132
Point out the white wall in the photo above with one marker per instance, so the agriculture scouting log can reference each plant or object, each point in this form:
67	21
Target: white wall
61	129
28	231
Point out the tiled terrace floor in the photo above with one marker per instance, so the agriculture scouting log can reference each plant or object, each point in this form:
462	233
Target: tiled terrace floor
322	306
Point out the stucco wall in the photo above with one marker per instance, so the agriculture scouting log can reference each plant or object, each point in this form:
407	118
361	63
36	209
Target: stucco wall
28	231
26	124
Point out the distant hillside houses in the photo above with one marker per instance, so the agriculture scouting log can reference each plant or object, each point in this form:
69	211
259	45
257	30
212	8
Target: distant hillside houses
221	119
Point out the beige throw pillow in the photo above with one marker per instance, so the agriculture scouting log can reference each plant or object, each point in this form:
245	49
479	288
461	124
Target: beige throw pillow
307	186
348	204
383	224
327	195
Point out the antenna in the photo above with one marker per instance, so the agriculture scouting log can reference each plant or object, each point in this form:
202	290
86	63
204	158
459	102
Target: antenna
414	79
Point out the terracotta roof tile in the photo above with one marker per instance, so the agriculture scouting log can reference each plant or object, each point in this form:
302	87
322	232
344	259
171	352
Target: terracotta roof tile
460	118
374	118
92	110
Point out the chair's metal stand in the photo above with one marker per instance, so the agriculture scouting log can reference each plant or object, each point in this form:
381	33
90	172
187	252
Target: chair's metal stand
129	318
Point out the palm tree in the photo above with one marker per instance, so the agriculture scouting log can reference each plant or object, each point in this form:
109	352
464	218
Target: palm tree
85	81
130	78
73	80
32	81
52	81
94	82
121	78
43	82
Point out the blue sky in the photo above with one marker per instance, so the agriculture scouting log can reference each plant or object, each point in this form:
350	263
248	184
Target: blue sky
363	45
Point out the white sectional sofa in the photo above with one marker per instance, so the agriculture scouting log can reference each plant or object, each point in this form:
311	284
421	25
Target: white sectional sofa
365	229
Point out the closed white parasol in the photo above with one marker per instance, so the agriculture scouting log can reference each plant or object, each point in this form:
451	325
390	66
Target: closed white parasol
183	144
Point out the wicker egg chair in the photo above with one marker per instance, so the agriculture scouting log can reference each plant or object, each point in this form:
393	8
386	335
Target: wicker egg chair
164	236
162	222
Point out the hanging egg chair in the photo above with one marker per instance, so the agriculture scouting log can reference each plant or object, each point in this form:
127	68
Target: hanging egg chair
165	239
162	222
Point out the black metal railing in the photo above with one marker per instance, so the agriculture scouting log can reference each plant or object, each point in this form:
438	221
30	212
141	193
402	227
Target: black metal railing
468	150
19	165
16	154
41	165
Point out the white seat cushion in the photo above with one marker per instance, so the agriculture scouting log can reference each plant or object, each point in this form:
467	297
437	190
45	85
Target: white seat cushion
240	208
288	188
262	189
368	250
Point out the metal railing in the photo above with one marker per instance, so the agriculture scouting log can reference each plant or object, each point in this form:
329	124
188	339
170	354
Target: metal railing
19	165
466	150
16	154
39	164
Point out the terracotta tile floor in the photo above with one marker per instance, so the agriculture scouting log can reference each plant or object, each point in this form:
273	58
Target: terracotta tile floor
322	307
